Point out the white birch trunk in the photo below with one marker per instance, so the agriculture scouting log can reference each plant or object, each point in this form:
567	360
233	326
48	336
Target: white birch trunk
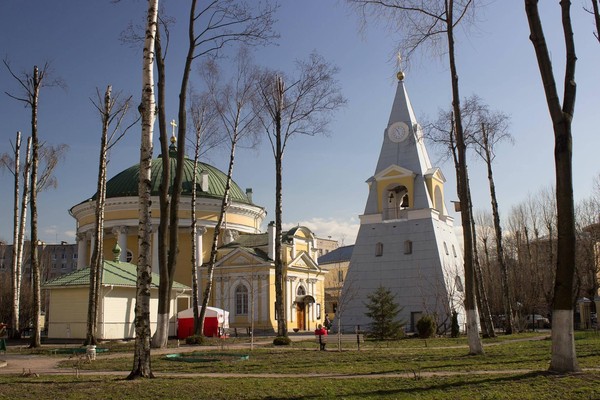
16	273
564	358
21	234
141	364
475	346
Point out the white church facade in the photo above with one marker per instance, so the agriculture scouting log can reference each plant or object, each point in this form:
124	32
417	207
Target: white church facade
406	240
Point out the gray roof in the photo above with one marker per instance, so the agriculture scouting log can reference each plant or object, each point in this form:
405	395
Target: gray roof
340	254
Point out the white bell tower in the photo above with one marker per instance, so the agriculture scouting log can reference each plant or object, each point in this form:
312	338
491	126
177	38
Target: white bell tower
406	241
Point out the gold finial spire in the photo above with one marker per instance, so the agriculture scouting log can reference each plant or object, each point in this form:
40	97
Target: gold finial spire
174	125
400	74
173	146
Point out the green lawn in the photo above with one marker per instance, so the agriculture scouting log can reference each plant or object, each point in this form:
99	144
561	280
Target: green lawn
349	374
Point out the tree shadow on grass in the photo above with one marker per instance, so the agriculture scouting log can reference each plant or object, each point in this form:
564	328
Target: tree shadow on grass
431	385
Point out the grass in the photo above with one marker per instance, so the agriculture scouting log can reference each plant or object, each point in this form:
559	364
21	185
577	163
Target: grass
399	369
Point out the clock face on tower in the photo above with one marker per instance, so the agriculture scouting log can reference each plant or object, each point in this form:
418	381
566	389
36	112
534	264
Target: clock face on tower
398	131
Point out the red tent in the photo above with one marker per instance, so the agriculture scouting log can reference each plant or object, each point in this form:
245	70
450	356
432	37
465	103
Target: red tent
216	321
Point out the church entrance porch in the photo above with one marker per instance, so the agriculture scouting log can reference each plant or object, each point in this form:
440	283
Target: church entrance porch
302	311
301	316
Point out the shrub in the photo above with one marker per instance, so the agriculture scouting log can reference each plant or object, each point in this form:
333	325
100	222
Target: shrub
454	328
195	339
426	326
282	341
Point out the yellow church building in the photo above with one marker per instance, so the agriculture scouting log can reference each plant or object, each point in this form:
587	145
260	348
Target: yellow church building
244	274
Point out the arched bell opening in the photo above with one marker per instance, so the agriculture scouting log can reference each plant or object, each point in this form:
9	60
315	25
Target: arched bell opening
395	202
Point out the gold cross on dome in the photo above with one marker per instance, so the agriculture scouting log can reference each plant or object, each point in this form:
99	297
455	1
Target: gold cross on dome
174	125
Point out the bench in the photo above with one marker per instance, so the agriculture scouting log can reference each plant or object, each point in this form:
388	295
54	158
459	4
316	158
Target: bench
357	338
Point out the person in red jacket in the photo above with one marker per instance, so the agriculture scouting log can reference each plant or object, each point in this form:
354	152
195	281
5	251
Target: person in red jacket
321	331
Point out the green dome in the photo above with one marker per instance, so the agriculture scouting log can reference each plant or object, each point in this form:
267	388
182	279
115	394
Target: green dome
125	183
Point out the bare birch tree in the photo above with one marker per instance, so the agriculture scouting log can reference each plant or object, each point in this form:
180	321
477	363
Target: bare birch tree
141	360
112	112
234	103
200	120
31	85
494	129
211	27
303	106
432	23
564	358
6	161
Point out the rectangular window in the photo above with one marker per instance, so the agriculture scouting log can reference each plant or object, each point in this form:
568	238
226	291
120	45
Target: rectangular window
64	256
241	300
408	247
318	311
378	249
74	256
340	276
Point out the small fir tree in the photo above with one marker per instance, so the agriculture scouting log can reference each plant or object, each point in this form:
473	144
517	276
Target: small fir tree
455	329
426	326
383	311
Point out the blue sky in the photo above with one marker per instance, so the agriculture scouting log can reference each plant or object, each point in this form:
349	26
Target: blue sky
324	177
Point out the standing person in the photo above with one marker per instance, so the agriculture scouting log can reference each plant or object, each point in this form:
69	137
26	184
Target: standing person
327	323
321	331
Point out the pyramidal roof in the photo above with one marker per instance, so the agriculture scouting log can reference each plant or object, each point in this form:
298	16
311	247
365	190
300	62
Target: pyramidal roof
410	153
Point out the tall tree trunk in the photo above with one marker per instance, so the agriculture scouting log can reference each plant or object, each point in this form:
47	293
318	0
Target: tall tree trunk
506	289
482	298
16	271
35	259
215	240
280	310
141	360
198	326
18	261
564	358
475	346
161	334
98	251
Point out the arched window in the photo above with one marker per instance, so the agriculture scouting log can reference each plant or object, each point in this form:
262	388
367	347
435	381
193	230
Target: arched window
301	291
241	300
129	256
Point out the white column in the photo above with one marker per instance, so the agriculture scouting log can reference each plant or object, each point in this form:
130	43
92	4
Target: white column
313	308
218	291
200	231
92	238
290	296
155	267
81	249
264	303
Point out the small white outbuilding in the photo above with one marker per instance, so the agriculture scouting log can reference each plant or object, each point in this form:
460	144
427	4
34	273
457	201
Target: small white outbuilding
68	303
